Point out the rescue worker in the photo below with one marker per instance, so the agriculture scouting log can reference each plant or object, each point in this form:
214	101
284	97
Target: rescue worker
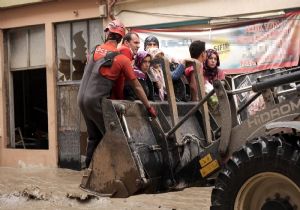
97	83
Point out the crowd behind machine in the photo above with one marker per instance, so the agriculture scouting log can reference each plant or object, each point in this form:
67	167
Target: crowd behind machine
147	67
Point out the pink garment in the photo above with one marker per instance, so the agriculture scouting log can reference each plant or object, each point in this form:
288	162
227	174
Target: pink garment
156	75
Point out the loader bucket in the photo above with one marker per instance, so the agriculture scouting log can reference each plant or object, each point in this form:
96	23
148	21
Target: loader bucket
133	156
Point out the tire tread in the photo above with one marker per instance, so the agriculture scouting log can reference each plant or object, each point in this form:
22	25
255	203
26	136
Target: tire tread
254	157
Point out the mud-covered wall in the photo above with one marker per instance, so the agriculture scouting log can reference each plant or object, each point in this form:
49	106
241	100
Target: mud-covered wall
46	14
2	105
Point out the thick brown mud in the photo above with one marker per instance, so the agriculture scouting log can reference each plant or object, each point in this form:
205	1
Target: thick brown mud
47	188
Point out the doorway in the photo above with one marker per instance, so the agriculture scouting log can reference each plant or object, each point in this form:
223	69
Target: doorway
30	109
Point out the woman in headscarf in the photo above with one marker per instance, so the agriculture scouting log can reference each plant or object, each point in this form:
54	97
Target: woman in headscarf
156	73
141	67
151	45
211	72
211	65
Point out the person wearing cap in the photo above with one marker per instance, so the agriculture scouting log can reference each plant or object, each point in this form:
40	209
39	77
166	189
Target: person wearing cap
97	83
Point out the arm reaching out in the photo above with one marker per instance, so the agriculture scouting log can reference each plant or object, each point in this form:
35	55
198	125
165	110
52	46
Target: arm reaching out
138	89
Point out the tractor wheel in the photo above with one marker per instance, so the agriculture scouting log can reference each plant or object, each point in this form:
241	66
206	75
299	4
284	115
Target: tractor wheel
263	175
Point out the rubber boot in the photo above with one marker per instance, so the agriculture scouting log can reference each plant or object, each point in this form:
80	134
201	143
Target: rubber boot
91	146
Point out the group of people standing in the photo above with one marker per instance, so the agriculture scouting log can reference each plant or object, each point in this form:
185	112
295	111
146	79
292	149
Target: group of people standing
129	73
148	68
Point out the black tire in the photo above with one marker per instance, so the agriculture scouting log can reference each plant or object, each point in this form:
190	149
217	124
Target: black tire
263	175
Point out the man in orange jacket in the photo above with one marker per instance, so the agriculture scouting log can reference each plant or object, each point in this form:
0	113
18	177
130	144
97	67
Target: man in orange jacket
129	48
130	45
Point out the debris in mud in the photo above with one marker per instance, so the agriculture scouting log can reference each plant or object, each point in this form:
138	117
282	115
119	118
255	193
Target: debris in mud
81	197
180	186
33	193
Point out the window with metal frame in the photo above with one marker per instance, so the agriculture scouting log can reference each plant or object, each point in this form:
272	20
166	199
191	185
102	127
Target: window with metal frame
26	85
26	47
73	42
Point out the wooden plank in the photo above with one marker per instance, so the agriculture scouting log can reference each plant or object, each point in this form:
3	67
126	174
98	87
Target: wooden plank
69	113
11	111
69	149
69	136
171	95
201	93
62	108
74	112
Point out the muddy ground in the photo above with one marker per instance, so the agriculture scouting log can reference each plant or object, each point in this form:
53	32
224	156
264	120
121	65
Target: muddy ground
46	188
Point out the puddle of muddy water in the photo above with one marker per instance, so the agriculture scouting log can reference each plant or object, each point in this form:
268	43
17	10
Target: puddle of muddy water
54	188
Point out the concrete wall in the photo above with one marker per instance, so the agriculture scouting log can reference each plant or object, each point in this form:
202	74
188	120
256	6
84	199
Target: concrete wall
2	97
192	9
50	12
14	3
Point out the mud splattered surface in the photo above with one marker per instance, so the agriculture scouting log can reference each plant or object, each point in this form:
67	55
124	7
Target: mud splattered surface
45	188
